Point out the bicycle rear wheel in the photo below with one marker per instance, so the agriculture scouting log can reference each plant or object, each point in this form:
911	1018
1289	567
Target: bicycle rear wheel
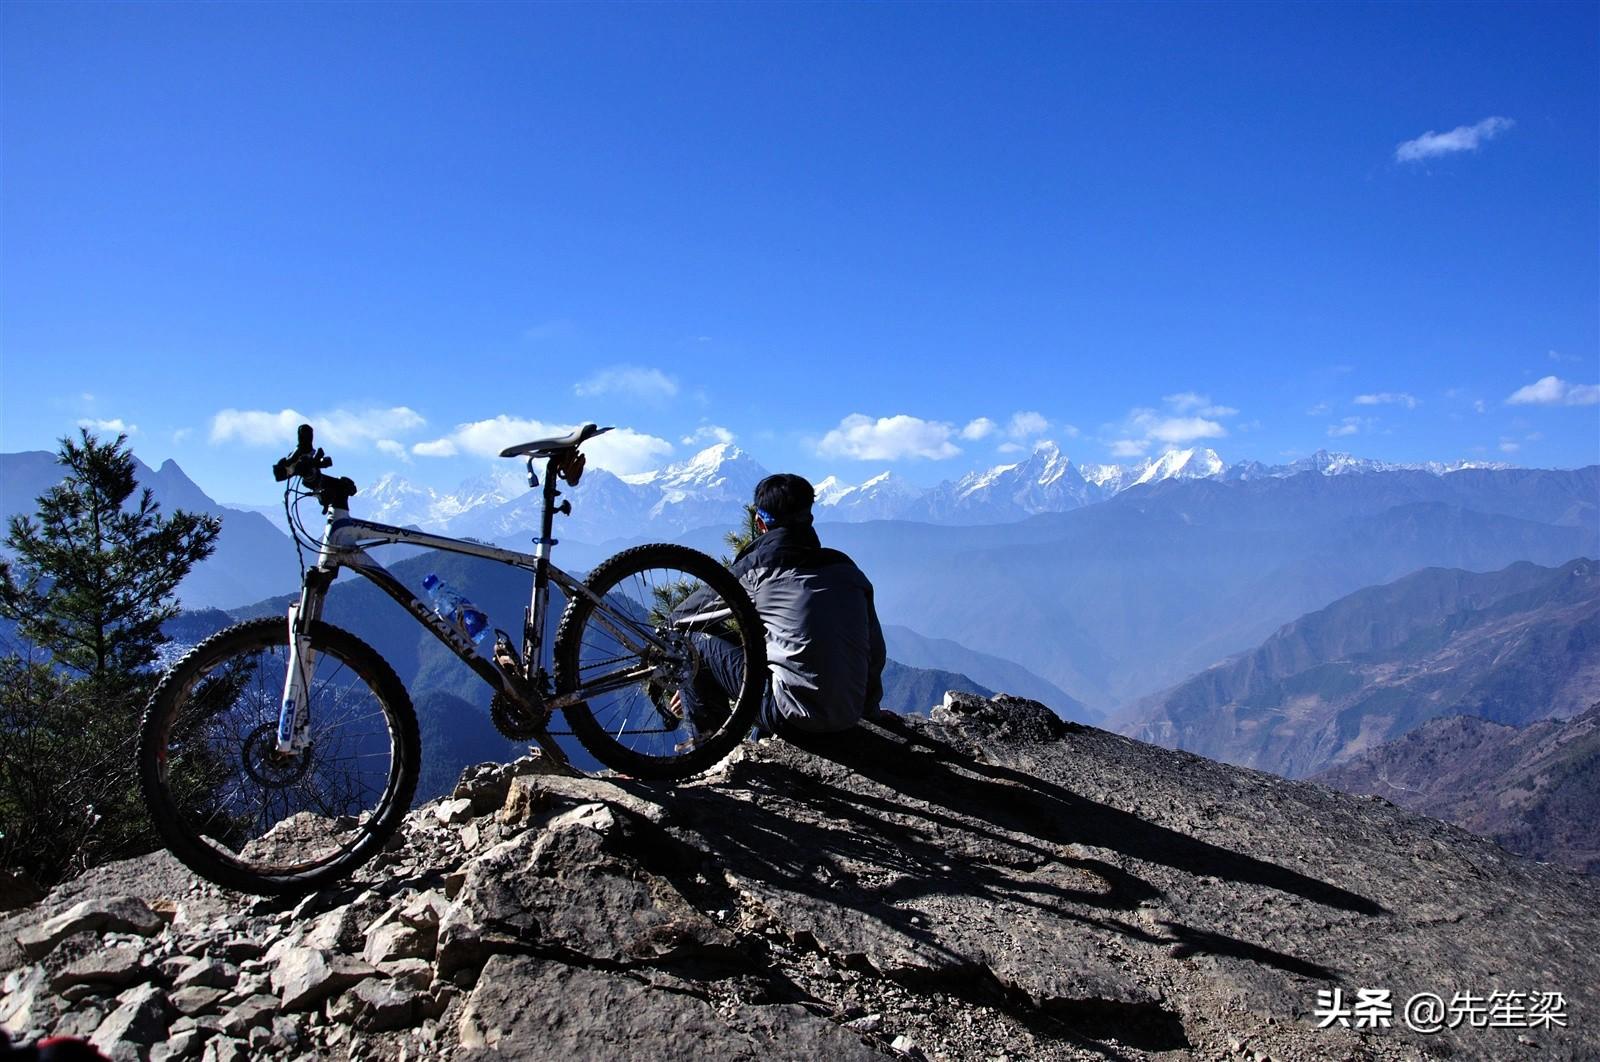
629	657
241	814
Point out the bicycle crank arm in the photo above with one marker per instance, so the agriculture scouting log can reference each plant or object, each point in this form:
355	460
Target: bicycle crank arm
557	757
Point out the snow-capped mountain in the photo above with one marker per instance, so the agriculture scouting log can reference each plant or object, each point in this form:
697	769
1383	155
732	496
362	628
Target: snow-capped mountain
711	488
1198	463
885	496
1047	481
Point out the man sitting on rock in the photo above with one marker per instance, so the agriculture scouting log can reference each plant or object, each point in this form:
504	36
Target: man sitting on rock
824	646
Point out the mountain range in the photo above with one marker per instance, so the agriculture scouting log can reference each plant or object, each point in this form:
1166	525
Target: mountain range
1106	602
1512	647
712	487
253	557
1533	790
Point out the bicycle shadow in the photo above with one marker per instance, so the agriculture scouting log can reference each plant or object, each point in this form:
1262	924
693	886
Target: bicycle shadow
895	845
1024	802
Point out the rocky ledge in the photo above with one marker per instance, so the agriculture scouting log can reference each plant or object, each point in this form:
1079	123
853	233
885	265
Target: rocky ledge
992	883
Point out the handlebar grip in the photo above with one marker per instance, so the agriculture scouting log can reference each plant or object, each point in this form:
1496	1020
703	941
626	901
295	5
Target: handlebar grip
304	446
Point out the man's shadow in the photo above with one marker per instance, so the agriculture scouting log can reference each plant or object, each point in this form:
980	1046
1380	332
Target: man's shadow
939	822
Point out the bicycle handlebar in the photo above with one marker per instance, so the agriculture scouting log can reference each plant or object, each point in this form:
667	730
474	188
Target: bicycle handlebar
307	461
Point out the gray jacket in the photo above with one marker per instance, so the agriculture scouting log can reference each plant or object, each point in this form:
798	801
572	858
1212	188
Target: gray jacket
824	645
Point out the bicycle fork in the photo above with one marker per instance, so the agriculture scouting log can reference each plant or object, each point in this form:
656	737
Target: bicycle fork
294	716
294	710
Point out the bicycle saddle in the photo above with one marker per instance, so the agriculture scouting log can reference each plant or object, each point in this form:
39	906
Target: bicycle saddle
546	447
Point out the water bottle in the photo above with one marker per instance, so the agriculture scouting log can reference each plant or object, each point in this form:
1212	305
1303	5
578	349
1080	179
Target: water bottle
456	609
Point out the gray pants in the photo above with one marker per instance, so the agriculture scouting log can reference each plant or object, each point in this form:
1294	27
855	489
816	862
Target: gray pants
718	681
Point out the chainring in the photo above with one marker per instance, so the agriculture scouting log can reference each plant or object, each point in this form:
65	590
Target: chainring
511	720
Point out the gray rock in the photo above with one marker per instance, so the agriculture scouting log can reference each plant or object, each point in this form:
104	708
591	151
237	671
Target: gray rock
209	974
127	914
522	1008
171	967
239	949
424	910
196	999
253	1013
453	812
140	1018
486	784
577	889
113	967
27	1005
1002	719
396	940
376	1005
225	1049
418	973
307	976
286	1029
339	928
532	796
79	1022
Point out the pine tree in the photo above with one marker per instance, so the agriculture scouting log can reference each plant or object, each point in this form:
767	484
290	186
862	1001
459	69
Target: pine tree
90	583
741	536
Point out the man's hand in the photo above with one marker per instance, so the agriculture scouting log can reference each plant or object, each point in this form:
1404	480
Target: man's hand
676	704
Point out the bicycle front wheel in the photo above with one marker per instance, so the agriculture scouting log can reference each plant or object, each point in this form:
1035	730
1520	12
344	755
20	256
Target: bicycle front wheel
238	812
666	694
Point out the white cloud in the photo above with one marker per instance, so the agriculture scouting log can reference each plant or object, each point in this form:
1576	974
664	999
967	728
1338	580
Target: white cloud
1553	391
1026	424
621	450
1321	409
116	425
1509	446
256	427
1461	138
1175	430
1349	426
182	435
1189	417
889	439
1190	402
436	448
1069	430
1010	448
624	451
708	433
1479	406
630	381
335	427
1387	398
393	449
979	428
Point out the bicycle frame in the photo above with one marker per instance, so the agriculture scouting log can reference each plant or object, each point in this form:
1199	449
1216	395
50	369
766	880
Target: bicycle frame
344	545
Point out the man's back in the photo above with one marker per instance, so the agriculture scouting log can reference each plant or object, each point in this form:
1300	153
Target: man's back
824	645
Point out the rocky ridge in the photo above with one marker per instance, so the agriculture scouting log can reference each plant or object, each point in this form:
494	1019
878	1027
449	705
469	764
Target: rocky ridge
993	882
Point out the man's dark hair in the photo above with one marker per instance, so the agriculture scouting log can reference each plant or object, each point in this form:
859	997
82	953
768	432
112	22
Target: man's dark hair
786	498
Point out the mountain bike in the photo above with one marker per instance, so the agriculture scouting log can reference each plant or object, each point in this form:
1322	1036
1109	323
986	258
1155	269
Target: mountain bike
282	753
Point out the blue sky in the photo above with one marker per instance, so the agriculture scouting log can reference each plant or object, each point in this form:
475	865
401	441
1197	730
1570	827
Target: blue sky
850	237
